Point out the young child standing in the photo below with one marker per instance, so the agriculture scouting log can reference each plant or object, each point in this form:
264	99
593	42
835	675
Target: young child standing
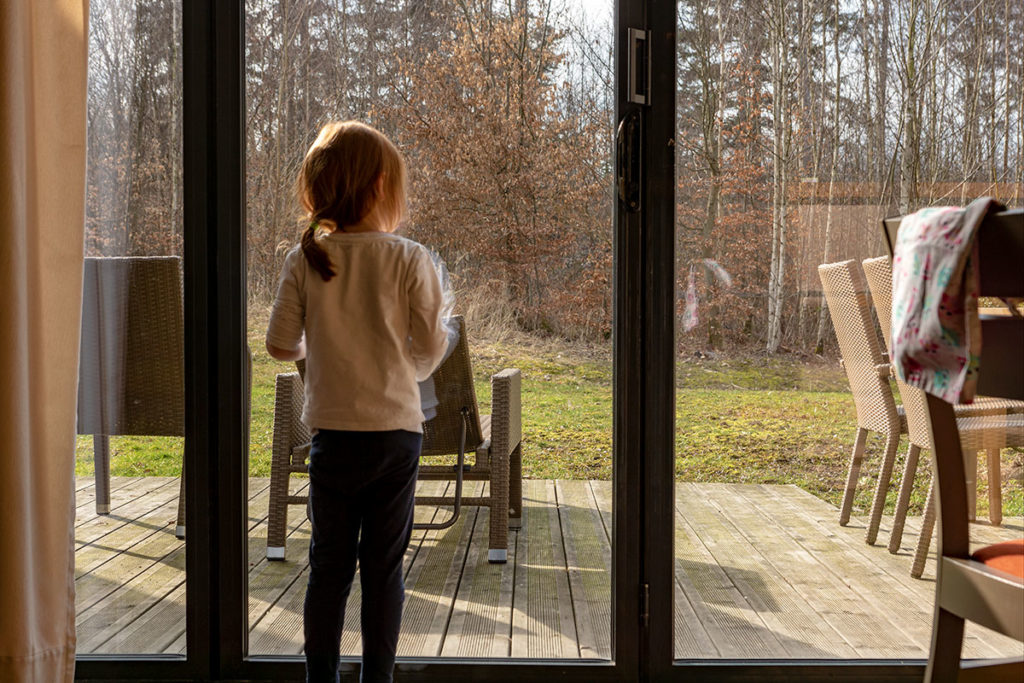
363	307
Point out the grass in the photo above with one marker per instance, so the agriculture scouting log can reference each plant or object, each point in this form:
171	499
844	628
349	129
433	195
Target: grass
739	419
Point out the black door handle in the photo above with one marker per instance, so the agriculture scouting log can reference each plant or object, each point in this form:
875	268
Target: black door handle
627	144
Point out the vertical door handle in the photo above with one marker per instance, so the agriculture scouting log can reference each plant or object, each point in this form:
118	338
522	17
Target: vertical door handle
627	152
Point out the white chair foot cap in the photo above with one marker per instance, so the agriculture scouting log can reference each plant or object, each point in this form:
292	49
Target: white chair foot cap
497	556
275	553
179	531
103	509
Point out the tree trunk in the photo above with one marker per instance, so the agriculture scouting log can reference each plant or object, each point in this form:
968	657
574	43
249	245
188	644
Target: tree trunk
819	337
780	143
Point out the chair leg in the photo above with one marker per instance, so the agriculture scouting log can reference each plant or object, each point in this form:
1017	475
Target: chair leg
515	488
882	488
179	529
101	463
971	480
995	487
947	642
277	514
497	548
906	488
854	473
925	539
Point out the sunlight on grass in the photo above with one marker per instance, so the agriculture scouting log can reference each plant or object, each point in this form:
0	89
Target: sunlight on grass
738	420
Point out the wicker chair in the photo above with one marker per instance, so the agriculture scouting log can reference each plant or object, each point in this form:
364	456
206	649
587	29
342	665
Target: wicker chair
988	424
131	369
868	372
457	429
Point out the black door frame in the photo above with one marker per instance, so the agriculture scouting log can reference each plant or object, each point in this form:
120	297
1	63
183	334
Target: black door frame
216	365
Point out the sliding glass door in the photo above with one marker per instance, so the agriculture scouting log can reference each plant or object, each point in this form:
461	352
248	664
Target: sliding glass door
130	578
795	520
504	114
632	200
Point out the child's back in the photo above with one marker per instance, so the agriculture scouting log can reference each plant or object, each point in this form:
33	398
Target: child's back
372	331
363	306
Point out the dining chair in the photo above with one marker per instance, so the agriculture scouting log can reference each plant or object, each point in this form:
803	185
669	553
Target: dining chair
985	586
867	370
989	424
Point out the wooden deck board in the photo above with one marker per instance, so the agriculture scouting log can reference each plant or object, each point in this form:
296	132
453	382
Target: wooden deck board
481	618
737	630
114	535
881	578
432	582
778	584
761	572
877	617
542	619
588	553
113	619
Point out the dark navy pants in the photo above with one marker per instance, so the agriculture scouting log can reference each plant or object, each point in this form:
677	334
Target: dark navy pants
361	506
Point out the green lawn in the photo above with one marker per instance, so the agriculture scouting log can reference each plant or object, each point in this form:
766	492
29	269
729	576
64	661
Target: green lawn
749	419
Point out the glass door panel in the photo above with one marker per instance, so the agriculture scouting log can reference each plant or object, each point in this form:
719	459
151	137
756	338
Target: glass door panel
129	526
800	126
503	112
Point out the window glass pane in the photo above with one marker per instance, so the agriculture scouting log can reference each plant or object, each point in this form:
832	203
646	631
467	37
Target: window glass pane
129	552
503	112
800	126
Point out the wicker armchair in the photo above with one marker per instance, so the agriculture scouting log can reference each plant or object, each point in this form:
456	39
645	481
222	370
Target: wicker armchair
989	424
457	429
132	363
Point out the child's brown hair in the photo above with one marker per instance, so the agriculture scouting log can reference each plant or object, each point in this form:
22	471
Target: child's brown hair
350	170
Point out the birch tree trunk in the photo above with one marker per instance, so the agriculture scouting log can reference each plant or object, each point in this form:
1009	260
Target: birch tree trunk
819	337
781	126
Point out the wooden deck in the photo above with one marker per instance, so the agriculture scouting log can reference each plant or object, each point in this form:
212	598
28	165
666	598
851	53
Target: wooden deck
761	572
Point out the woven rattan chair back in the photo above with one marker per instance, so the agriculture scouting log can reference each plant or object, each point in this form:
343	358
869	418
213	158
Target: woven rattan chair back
495	440
132	363
878	273
131	367
849	304
456	395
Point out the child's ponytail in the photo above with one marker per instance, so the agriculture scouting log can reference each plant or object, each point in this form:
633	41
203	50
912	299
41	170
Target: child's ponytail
315	254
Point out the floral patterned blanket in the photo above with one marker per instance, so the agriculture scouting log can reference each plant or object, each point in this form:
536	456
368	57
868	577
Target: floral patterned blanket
936	335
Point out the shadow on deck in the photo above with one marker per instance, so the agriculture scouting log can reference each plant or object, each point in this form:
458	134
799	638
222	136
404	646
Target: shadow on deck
761	572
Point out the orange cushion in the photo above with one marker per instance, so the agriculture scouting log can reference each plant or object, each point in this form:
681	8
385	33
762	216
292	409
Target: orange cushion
1007	556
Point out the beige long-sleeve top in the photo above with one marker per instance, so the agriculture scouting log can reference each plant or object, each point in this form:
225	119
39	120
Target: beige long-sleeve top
372	332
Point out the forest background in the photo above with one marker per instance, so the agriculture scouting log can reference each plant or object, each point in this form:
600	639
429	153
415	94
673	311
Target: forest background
800	124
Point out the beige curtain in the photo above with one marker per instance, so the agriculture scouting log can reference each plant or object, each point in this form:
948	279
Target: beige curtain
43	63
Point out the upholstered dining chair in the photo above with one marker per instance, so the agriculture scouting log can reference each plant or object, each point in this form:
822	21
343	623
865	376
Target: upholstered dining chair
985	586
